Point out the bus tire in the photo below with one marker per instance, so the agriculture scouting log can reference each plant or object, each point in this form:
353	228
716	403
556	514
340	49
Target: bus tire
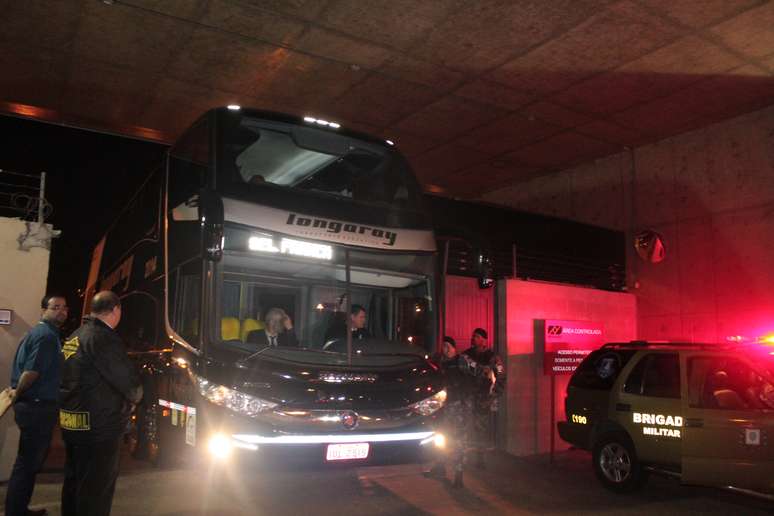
615	463
146	442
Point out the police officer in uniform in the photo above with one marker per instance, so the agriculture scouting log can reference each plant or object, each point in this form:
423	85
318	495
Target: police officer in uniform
456	425
490	384
99	388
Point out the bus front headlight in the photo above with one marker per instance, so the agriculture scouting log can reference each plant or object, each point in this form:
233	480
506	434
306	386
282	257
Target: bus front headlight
220	446
429	405
231	399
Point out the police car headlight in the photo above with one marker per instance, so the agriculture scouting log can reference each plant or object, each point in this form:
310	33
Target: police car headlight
231	399
429	405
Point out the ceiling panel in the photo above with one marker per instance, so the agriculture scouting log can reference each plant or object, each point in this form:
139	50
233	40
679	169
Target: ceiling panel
250	21
494	94
408	143
562	150
480	35
38	23
381	100
612	133
36	79
301	79
751	33
225	61
498	173
686	61
449	117
181	9
610	38
342	48
508	133
492	91
743	89
700	13
128	37
301	9
397	23
423	72
441	162
555	114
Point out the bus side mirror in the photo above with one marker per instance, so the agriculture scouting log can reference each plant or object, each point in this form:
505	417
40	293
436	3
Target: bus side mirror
484	269
211	217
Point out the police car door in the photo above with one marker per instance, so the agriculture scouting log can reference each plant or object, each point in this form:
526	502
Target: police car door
729	423
648	407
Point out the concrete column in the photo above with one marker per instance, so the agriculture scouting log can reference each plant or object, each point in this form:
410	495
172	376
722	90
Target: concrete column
23	276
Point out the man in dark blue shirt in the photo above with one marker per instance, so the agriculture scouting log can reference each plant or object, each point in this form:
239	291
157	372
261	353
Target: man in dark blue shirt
36	373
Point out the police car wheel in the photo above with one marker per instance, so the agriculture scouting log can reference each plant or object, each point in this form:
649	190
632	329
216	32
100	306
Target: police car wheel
616	464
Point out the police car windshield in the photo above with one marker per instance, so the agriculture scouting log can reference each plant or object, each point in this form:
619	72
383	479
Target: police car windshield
301	303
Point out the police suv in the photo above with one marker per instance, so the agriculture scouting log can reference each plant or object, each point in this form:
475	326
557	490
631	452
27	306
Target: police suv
702	412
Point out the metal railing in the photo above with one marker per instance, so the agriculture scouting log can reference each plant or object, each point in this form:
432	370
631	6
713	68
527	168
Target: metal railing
511	261
22	195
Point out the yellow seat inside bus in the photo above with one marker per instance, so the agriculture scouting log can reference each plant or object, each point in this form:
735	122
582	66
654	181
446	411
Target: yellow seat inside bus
229	328
249	325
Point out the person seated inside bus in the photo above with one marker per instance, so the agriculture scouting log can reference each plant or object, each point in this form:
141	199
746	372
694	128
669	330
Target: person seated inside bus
277	331
357	320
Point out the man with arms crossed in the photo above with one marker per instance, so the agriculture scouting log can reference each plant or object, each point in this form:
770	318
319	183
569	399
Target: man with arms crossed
35	376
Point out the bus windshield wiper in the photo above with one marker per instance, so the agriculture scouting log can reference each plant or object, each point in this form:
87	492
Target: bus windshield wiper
243	360
396	354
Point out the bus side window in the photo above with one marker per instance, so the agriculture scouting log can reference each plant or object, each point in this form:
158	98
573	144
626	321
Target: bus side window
184	301
138	325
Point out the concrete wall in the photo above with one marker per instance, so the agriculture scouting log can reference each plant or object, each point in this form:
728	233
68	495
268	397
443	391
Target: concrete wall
22	284
710	192
524	424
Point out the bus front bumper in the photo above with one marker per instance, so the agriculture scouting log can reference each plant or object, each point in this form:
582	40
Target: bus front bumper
406	446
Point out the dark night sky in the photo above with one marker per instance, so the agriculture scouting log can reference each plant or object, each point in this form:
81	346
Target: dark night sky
90	177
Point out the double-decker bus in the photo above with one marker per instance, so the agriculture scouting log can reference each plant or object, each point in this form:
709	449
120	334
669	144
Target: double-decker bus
260	224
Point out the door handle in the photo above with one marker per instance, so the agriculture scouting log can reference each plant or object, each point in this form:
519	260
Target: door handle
694	422
623	407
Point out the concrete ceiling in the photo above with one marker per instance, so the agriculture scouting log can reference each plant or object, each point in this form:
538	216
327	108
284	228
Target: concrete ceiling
478	94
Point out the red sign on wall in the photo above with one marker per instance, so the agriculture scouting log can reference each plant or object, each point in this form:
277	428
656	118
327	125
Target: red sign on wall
567	343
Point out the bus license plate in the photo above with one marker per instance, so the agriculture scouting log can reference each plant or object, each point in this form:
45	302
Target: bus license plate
347	451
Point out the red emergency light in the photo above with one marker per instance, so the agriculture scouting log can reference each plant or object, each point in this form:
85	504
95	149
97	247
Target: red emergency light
763	340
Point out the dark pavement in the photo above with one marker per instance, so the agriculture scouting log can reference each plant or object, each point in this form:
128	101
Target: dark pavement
508	486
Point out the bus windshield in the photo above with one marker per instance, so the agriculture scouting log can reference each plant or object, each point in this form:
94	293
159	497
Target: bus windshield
308	302
257	153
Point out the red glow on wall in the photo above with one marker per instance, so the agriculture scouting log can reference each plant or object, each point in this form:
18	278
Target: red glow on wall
467	308
529	391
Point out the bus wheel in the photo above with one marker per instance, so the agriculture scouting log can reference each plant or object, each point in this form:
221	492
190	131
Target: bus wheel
616	465
145	440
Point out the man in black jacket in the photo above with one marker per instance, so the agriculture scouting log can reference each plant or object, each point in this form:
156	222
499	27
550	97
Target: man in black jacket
357	324
99	388
277	332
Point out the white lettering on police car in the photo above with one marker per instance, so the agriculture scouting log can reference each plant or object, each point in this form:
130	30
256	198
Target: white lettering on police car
662	421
